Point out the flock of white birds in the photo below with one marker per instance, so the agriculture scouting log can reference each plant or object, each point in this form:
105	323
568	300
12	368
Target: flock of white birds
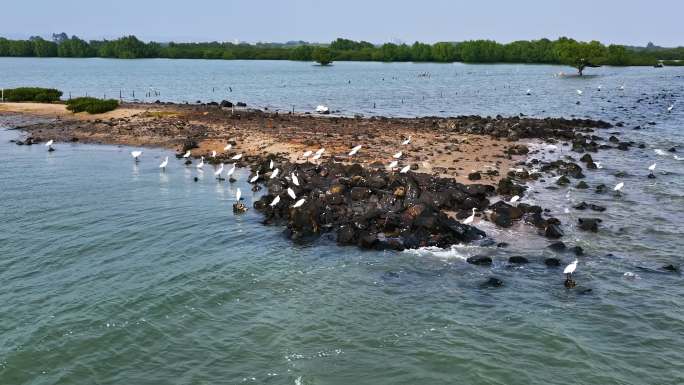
393	165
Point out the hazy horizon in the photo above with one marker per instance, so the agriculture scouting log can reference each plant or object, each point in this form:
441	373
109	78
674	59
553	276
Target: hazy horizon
612	22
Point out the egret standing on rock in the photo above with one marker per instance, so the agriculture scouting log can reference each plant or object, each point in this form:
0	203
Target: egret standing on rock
295	180
275	201
299	203
255	177
669	109
238	194
136	155
405	169
619	186
528	92
275	173
514	199
187	154
569	269
652	167
470	219
49	145
291	193
164	163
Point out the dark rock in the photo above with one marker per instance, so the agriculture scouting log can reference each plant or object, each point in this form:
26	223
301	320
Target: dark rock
671	268
226	104
582	185
577	250
492	282
474	176
557	246
651	176
582	206
589	224
553	231
563	180
597	208
481	260
518	260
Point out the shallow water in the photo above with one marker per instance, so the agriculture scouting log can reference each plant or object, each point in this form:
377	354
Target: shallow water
116	273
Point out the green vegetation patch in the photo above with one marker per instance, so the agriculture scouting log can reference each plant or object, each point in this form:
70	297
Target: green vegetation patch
91	105
32	94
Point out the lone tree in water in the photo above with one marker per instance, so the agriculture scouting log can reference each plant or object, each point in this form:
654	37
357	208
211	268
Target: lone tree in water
580	55
322	56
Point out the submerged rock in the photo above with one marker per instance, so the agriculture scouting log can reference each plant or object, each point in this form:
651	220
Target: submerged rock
480	260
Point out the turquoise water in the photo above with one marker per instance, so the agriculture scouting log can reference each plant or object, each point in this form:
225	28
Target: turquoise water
116	273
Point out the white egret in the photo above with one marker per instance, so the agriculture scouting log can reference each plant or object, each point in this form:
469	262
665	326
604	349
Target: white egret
321	109
255	177
49	143
405	169
528	92
598	164
669	109
200	164
291	193
622	87
515	198
274	174
164	163
393	164
470	219
397	155
579	92
599	87
227	147
231	171
660	152
317	156
270	165
354	150
275	201
299	203
136	155
320	151
652	167
407	141
218	172
569	269
236	157
295	180
187	154
213	154
619	186
307	154
238	194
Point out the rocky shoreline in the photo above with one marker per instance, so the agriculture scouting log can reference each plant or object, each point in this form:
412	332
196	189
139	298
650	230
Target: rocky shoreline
359	199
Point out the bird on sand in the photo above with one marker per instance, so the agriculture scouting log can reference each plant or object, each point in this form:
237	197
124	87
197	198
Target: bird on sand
652	167
136	155
299	203
405	169
227	147
164	163
354	150
470	219
397	155
393	164
274	174
275	201
236	157
295	180
213	153
291	193
255	177
187	154
320	151
307	154
407	141
514	198
619	186
317	156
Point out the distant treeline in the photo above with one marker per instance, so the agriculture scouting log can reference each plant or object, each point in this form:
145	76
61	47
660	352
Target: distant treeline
561	51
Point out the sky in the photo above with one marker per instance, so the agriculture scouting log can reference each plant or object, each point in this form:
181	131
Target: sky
629	22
